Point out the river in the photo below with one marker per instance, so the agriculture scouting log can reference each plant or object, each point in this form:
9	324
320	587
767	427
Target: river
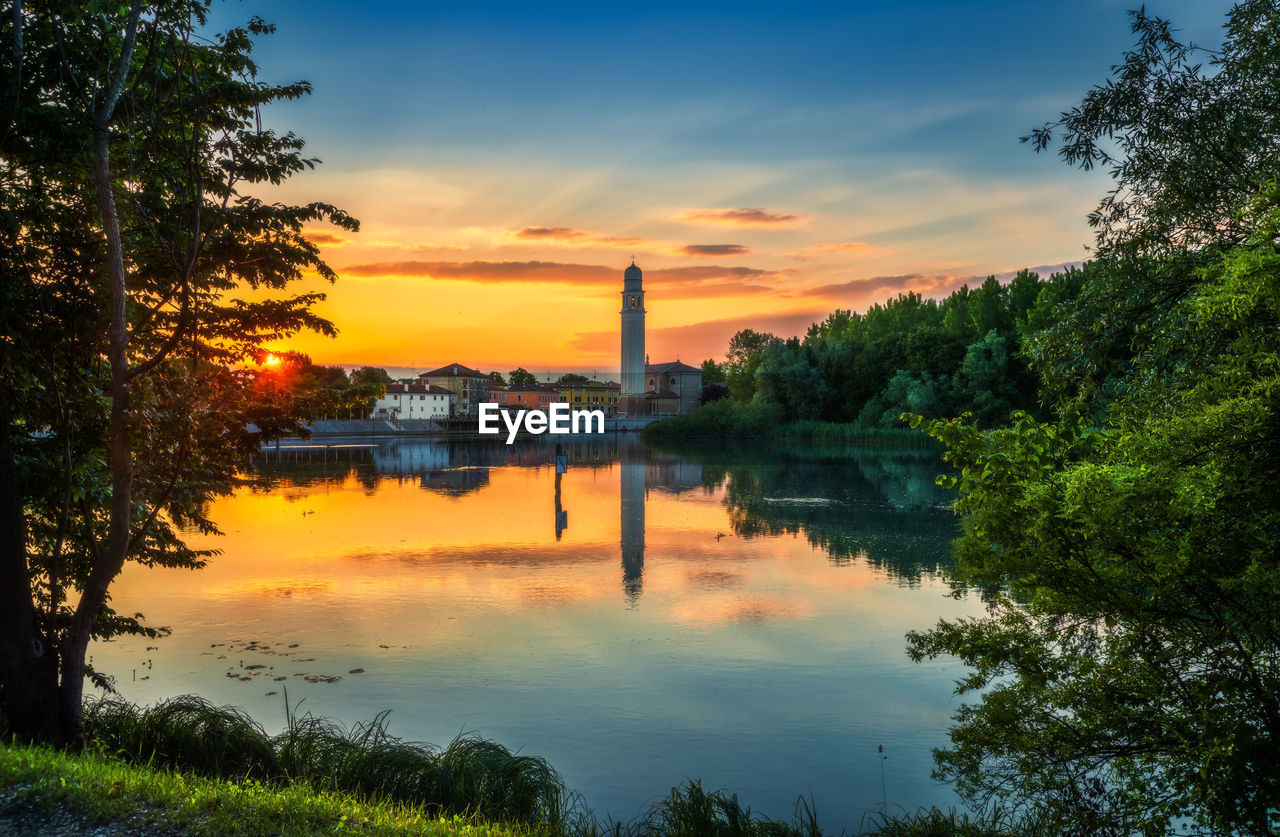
729	613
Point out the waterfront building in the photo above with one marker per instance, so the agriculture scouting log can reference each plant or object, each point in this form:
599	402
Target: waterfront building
469	386
534	397
414	401
672	387
592	395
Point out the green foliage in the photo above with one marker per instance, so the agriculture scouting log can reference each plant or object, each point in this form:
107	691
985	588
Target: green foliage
931	357
785	377
712	372
746	348
521	377
1127	677
1187	135
374	375
496	379
723	418
139	273
306	391
570	379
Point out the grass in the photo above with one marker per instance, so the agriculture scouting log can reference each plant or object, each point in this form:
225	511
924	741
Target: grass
470	776
106	789
187	764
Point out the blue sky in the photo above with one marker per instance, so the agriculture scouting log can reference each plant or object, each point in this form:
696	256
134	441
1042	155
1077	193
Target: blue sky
888	130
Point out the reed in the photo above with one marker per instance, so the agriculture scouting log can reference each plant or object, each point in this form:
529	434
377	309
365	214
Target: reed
690	811
470	776
478	780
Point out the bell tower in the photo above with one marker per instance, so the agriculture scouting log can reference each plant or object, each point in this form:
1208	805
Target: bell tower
633	389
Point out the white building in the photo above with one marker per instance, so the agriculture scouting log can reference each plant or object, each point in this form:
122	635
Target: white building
414	401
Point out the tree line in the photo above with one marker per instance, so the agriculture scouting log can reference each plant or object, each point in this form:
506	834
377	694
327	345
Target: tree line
963	353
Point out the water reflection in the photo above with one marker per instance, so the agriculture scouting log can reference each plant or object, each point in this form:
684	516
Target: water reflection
879	507
730	613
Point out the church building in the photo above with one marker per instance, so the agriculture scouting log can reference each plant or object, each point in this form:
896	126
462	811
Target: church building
650	389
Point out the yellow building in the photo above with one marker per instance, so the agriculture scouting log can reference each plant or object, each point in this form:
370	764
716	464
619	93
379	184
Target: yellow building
593	395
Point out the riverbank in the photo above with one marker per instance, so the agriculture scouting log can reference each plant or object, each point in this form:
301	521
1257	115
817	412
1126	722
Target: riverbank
48	793
186	767
727	419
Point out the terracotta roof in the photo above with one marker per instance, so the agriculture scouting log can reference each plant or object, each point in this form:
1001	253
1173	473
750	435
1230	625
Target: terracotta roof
454	370
417	389
671	366
588	385
543	388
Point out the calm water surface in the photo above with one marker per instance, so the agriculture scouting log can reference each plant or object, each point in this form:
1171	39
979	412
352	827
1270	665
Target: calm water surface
733	614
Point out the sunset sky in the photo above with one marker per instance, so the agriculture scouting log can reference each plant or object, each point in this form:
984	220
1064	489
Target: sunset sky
764	163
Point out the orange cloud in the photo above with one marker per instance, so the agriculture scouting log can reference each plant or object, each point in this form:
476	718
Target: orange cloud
485	271
554	272
697	340
934	285
744	217
819	250
319	237
570	236
712	250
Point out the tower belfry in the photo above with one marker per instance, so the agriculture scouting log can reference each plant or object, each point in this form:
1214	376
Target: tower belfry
633	357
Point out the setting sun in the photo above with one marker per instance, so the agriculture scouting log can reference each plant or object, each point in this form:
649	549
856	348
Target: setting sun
273	360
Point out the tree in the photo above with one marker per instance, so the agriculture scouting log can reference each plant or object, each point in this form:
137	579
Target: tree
521	377
571	379
742	359
1127	675
496	379
367	375
127	164
712	372
785	377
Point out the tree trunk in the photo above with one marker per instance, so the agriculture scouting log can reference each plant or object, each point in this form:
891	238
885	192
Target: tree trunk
109	561
28	666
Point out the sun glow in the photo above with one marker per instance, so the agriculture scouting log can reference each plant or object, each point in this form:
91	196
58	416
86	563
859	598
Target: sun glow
272	360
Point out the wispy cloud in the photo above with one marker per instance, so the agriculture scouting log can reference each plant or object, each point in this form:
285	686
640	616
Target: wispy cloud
691	343
855	292
572	237
705	251
744	217
817	251
558	272
323	238
485	271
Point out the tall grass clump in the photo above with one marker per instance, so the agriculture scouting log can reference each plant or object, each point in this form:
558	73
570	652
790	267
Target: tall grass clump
934	822
186	732
471	775
689	811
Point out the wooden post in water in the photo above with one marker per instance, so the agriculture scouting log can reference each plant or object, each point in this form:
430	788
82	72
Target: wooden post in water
562	465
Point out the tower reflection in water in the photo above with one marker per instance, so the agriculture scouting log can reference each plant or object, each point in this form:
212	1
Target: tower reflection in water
632	467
